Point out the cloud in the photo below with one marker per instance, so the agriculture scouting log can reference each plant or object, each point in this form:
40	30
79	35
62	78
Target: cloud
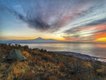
53	15
96	22
46	15
93	15
85	33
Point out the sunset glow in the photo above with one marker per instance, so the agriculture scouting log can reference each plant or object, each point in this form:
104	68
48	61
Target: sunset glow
101	37
71	20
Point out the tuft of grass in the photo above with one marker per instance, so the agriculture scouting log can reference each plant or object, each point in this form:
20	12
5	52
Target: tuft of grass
43	65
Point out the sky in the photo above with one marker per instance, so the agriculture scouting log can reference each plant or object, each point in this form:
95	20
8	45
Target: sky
67	20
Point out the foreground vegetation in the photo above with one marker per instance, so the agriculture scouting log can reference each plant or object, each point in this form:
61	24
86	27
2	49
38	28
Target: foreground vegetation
43	65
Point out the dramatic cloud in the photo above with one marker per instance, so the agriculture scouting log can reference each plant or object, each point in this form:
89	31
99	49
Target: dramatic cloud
47	15
78	20
85	33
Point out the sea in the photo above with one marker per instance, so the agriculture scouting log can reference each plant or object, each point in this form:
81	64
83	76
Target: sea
92	49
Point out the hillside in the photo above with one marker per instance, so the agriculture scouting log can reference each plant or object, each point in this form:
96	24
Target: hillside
43	65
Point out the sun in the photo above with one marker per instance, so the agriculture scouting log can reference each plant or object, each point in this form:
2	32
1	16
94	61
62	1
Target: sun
103	39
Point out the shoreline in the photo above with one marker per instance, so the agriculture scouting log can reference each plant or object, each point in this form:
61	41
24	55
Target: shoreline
68	53
80	55
39	64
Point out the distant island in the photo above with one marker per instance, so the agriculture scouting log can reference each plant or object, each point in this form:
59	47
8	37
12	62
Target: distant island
37	40
42	40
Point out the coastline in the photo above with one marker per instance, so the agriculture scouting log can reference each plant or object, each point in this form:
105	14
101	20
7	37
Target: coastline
80	55
45	65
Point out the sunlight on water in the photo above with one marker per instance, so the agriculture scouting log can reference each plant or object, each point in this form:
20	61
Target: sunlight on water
98	50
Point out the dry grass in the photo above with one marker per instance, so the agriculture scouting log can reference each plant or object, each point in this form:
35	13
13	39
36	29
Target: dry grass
41	65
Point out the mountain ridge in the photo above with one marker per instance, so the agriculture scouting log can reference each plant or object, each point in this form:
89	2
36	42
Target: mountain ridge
36	40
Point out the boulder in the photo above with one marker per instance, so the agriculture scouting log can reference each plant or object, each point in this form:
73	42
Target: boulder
15	54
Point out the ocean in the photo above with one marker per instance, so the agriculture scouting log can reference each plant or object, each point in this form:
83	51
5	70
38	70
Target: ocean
97	49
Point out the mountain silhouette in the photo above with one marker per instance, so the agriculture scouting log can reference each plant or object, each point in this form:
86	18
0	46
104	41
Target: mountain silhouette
39	39
36	40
